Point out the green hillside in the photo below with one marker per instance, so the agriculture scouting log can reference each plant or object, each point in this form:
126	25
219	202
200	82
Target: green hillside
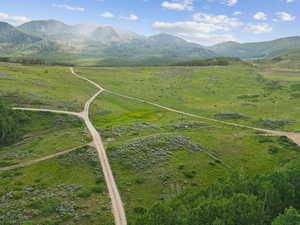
12	35
257	50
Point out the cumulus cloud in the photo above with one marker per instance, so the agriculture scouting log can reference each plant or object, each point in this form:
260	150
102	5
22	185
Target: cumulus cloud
130	17
237	13
232	2
211	38
204	27
178	5
107	15
16	19
222	20
68	7
258	28
186	27
284	17
195	31
260	16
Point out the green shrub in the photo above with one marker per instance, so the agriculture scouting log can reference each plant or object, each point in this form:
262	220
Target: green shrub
84	194
97	189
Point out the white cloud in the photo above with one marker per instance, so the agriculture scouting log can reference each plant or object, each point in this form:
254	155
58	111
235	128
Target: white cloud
237	13
67	7
226	22
194	31
260	16
284	17
179	5
211	38
130	17
259	28
232	2
107	15
186	27
290	1
17	19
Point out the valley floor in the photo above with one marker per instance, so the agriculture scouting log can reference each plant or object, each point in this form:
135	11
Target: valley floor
230	122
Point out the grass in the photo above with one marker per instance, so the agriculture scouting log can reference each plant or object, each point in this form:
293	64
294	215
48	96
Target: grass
206	91
129	123
44	134
138	134
64	190
43	86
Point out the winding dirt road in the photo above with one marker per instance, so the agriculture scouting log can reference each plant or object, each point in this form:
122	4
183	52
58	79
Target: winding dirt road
117	204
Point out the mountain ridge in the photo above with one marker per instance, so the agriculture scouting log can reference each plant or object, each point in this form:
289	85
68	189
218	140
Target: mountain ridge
105	41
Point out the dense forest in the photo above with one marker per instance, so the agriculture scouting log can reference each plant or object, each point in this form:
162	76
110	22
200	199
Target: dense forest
10	123
272	199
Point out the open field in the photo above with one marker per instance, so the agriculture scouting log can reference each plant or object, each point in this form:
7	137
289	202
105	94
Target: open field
66	190
44	134
154	154
42	86
282	68
151	158
234	93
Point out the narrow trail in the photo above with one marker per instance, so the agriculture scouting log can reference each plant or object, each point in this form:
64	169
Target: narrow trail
50	110
34	161
117	204
295	137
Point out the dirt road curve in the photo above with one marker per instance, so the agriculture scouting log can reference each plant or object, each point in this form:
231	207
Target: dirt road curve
117	204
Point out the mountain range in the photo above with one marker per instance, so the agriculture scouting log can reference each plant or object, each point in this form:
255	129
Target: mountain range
54	38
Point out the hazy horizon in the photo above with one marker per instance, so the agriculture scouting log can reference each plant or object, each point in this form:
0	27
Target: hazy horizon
205	22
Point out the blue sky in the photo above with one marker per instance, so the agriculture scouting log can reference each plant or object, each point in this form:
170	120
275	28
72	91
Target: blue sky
202	21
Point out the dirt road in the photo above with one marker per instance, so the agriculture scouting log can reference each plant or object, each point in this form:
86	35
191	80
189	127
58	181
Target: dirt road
40	159
292	136
117	204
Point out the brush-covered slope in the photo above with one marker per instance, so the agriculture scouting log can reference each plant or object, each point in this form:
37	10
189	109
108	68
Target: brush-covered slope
257	49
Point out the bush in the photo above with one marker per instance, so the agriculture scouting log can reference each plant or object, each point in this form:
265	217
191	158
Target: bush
274	123
232	116
97	189
84	194
273	150
140	180
189	174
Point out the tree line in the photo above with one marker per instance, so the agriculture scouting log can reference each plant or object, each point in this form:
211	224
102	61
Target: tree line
272	199
33	61
10	123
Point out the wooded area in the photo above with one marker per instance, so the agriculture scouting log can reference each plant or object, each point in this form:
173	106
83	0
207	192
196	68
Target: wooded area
271	199
10	123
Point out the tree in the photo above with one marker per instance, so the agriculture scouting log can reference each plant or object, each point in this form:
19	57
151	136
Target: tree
289	217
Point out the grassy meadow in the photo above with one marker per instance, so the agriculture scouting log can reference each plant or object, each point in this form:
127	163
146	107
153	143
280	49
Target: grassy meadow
44	134
155	154
43	86
238	93
69	189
